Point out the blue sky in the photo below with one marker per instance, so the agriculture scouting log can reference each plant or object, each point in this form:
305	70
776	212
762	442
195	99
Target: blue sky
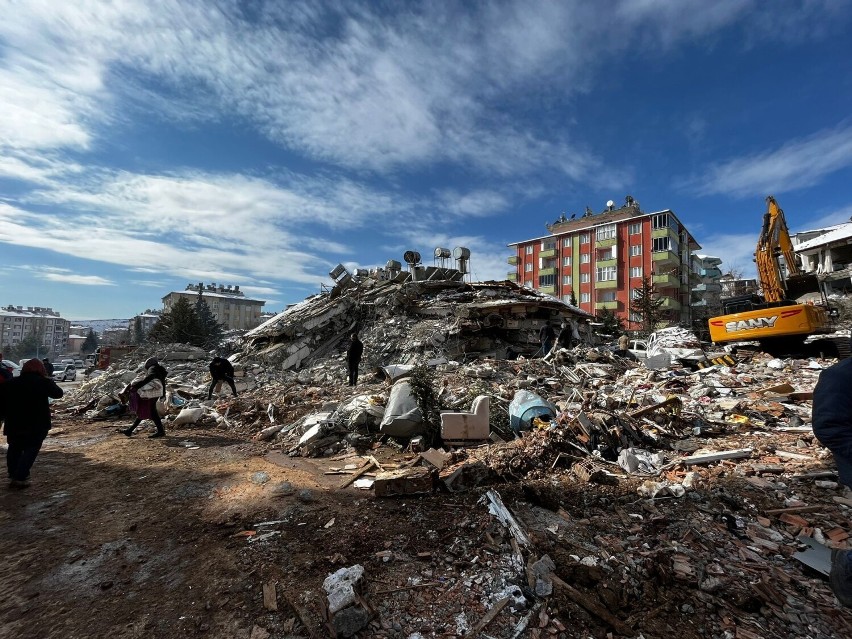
145	145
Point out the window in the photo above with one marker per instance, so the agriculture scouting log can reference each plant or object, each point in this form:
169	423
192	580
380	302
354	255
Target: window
605	232
584	297
636	271
661	244
528	283
660	221
609	253
635	317
584	258
546	280
606	296
567	298
528	267
566	279
635	228
585	278
566	242
547	245
634	293
528	249
606	274
584	238
635	249
566	261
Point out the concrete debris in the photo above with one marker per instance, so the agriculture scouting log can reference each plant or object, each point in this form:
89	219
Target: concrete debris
580	430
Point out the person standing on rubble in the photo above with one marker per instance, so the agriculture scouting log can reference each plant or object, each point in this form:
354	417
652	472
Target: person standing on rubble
221	370
831	420
546	335
146	408
564	339
25	406
353	357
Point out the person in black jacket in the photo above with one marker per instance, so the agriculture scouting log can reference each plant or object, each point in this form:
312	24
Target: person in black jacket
24	403
146	408
48	366
546	335
831	419
221	370
353	358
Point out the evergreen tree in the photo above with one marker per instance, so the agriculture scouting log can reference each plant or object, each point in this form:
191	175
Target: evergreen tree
648	305
90	344
612	323
138	333
180	324
573	299
27	348
211	330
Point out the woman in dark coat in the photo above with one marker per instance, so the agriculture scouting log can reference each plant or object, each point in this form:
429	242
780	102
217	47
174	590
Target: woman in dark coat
146	408
25	406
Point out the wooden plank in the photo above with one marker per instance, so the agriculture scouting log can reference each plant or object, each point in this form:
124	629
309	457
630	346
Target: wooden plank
593	607
489	616
367	466
709	458
788	455
794	509
270	599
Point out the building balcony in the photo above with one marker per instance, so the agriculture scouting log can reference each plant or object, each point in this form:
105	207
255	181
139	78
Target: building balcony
665	257
547	253
606	284
605	243
613	305
607	262
670	304
513	260
550	290
707	287
710	272
666	281
512	276
664	232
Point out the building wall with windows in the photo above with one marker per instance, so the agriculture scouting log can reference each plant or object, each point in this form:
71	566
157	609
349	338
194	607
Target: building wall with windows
599	260
18	322
229	305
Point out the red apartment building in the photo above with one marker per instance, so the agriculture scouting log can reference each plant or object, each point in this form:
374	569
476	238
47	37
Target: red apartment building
601	258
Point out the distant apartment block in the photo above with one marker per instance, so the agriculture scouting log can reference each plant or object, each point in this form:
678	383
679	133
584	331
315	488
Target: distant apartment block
19	322
707	286
229	305
827	253
600	259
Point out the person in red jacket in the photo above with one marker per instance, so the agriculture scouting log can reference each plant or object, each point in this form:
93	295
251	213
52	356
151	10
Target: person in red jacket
25	407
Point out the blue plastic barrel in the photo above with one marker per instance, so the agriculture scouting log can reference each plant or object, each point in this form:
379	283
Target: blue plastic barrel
525	407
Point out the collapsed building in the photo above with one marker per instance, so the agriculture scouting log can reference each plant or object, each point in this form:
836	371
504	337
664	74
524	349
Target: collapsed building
734	492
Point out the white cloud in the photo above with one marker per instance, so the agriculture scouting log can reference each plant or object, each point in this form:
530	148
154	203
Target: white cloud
81	280
796	164
735	250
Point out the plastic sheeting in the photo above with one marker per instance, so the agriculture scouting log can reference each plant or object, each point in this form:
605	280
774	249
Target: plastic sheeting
402	414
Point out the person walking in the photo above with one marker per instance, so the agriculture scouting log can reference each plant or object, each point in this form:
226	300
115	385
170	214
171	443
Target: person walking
48	367
353	357
25	406
221	370
546	335
564	339
146	407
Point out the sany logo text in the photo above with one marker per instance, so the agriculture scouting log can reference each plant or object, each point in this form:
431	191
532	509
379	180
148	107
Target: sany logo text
749	324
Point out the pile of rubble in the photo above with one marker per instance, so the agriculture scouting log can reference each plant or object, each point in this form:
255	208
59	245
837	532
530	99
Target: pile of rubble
580	417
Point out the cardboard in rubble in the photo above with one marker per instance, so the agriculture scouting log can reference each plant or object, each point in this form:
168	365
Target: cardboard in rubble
403	481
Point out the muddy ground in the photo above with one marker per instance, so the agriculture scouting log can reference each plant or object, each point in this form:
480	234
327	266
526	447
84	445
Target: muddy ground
135	537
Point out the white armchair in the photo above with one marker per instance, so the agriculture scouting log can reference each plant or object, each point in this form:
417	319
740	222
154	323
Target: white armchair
466	427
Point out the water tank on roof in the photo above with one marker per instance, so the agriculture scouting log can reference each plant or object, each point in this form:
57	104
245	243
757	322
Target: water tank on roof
412	258
393	265
442	253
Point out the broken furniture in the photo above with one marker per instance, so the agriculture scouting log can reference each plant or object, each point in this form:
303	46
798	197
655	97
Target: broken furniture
463	428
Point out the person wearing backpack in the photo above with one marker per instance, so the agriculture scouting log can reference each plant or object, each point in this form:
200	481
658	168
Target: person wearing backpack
144	393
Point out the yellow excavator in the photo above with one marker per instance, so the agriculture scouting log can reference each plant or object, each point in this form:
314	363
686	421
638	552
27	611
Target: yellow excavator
792	308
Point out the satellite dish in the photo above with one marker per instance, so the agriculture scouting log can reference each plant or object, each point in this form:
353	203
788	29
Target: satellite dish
610	203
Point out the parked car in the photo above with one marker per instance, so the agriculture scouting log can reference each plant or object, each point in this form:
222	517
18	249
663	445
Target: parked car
68	373
79	364
12	367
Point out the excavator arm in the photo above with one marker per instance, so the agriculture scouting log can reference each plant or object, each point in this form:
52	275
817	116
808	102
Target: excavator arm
774	242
